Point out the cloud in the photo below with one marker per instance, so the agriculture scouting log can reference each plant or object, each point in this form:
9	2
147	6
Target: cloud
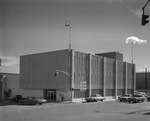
135	40
137	12
9	61
112	1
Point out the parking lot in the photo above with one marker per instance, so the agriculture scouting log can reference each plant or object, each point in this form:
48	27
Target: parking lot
65	111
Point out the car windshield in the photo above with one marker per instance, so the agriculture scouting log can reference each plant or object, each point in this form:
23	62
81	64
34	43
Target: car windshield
125	95
137	96
97	95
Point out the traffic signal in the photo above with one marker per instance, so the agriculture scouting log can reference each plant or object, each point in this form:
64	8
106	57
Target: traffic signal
144	19
56	73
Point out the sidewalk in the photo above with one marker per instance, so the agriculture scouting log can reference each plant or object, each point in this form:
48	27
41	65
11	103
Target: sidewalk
80	100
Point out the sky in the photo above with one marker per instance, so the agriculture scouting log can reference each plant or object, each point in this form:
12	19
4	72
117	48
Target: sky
97	26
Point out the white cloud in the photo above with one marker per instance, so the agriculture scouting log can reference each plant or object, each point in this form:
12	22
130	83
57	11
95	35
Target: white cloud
9	61
135	40
111	1
137	12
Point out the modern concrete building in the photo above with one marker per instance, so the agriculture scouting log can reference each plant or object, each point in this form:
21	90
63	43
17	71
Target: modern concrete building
76	71
143	81
113	55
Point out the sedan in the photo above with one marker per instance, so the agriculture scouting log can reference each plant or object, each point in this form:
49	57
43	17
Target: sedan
31	101
40	99
124	97
95	98
147	96
136	98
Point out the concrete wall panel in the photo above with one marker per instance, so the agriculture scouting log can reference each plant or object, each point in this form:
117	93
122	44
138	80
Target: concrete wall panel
110	74
129	76
37	70
81	66
96	72
120	75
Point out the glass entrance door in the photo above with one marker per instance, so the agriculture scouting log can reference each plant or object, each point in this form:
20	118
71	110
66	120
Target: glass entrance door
50	95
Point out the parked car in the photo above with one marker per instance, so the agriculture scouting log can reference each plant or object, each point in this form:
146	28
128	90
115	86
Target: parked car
41	99
140	93
95	98
31	101
136	98
124	97
16	98
147	96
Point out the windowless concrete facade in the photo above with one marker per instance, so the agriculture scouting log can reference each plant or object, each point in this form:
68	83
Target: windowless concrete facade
143	81
105	76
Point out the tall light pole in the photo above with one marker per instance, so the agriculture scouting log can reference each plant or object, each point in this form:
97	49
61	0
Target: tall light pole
70	76
132	41
132	51
146	79
68	24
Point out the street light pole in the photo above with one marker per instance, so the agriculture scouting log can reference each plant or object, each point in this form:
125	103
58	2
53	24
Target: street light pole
70	76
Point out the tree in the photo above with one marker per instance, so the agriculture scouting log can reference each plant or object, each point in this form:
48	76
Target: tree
8	93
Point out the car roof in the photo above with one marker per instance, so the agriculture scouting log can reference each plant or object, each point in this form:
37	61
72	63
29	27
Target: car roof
96	95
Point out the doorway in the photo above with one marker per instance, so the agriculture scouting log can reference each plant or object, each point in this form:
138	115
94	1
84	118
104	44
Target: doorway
50	95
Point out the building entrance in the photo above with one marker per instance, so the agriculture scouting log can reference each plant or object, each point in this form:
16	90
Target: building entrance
50	95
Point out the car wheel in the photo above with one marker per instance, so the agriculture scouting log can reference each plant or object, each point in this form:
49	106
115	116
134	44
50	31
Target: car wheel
40	103
20	102
32	103
129	101
120	100
101	100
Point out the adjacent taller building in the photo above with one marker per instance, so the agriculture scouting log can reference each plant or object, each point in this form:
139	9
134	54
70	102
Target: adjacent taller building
143	81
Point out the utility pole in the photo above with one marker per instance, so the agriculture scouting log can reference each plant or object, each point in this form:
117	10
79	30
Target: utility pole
146	79
70	76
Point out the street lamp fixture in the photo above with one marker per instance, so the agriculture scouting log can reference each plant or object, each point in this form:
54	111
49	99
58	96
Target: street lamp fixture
69	75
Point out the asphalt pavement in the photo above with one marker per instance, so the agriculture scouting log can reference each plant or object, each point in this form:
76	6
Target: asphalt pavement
66	111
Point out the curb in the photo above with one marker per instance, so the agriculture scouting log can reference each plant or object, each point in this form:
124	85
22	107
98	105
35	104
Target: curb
82	101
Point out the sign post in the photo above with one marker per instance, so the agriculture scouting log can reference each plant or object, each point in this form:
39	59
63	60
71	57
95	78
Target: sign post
83	88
